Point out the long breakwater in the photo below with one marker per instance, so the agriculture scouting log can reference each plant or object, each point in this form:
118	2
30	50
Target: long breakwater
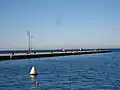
13	56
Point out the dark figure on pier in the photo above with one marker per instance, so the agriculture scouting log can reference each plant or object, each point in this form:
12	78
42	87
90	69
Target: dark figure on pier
12	53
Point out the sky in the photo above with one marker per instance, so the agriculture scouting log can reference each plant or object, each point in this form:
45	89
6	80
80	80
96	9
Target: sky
60	24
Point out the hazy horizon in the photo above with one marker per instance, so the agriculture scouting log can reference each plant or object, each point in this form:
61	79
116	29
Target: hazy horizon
59	24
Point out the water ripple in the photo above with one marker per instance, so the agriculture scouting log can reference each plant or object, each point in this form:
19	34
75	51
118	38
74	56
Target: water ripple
88	72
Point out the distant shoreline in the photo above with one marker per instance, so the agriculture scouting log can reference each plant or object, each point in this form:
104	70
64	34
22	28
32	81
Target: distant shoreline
48	50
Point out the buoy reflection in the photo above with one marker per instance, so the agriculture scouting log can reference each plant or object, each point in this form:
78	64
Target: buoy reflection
33	76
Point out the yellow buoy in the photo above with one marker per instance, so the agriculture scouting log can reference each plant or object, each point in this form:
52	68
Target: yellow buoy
33	71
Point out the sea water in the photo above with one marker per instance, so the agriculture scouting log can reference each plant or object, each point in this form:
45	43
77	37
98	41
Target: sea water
77	72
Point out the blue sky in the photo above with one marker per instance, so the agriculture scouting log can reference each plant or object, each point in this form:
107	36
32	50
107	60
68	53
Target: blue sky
60	23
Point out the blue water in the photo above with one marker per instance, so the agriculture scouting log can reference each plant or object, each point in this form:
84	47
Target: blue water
80	72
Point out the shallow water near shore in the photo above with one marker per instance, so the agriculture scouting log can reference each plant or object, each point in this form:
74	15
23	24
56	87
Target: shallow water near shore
79	72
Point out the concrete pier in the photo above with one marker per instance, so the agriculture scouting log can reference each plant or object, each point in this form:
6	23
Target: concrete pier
47	54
